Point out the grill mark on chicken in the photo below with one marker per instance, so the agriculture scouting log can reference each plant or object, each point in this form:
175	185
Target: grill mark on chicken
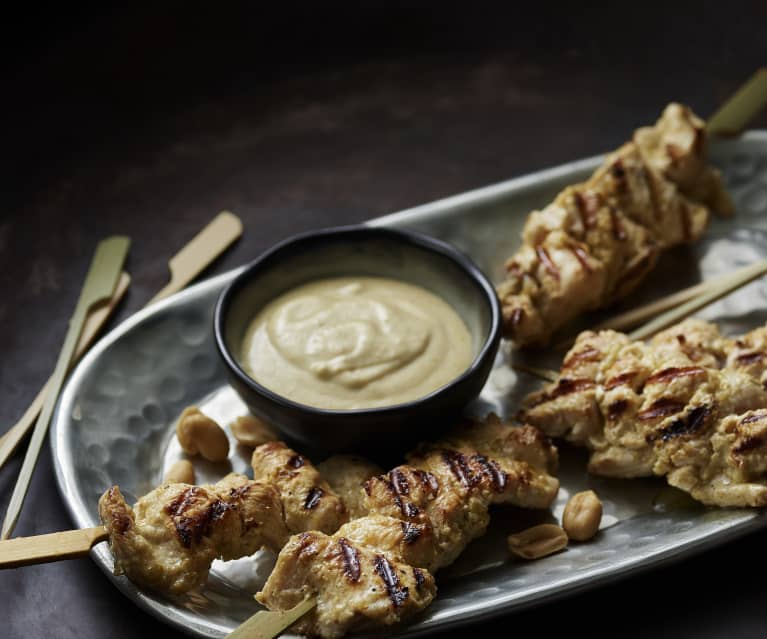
296	461
399	481
411	533
616	409
588	354
619	233
428	480
419	578
307	546
668	374
407	508
459	466
352	568
313	498
491	469
748	444
550	267
750	419
397	593
750	358
191	529
662	407
582	257
588	206
565	386
685	426
620	380
121	522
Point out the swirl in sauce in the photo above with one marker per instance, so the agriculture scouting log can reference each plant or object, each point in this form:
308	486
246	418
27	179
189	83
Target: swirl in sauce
356	342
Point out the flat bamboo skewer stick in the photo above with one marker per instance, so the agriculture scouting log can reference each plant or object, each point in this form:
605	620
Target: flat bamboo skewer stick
71	544
199	252
717	290
93	325
267	624
636	316
733	117
185	265
99	286
40	549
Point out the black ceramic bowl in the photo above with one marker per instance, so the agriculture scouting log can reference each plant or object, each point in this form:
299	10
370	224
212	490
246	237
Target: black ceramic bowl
363	251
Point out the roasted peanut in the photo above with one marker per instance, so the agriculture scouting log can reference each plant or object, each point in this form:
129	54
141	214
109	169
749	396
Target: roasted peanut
251	431
582	516
182	472
538	541
198	433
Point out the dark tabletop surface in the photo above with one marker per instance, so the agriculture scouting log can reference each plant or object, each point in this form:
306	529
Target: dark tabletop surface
148	122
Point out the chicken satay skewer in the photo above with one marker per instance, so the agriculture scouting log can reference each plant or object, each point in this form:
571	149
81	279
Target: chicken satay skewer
597	240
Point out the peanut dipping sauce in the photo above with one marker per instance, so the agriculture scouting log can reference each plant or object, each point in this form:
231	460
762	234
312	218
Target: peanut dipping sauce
356	342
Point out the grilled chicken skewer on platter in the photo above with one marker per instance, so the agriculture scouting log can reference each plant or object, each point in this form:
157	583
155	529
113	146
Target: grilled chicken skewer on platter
690	405
597	241
169	539
378	569
407	523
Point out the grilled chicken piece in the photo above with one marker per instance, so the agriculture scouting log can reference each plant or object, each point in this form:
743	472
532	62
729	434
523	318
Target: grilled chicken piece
685	406
599	239
449	485
346	474
355	585
307	499
169	539
422	515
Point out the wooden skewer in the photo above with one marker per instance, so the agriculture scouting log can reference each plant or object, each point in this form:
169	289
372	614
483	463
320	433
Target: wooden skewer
719	289
185	265
636	316
71	544
99	286
201	250
27	551
740	109
93	325
267	624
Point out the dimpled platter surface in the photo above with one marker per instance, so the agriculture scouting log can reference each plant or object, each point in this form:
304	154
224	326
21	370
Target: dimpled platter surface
114	421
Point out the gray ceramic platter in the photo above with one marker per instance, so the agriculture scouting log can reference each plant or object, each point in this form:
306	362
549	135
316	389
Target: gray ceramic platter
114	421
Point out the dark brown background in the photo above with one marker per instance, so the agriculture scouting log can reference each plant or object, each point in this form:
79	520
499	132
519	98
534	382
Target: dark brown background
148	121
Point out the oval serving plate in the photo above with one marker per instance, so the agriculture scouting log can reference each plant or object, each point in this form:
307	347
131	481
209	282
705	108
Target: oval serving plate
114	421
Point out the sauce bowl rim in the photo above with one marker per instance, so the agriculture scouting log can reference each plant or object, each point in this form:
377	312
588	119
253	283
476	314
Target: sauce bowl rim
488	348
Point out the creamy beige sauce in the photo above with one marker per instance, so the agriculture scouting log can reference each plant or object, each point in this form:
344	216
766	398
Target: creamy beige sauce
356	342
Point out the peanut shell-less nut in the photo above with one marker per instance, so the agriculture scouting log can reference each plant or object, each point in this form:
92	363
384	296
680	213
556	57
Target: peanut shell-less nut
182	472
198	433
582	516
538	541
251	431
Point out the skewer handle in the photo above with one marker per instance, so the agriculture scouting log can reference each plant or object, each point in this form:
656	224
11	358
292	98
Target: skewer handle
268	624
96	319
40	549
205	247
